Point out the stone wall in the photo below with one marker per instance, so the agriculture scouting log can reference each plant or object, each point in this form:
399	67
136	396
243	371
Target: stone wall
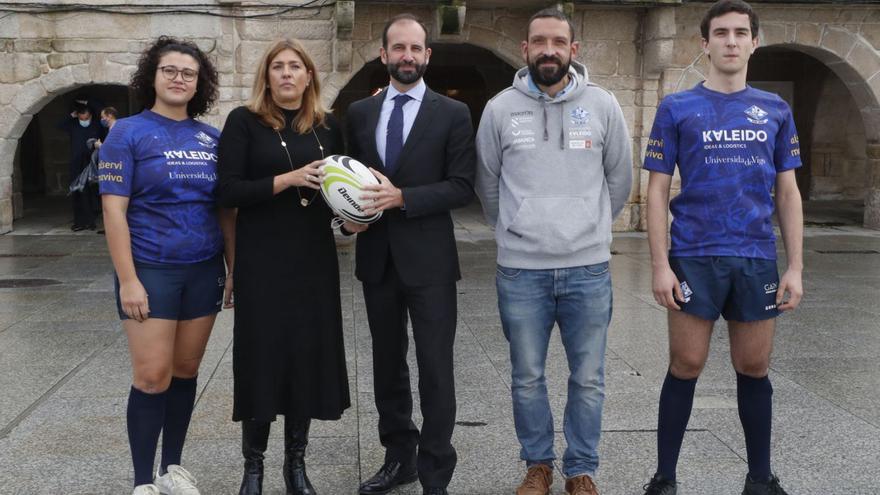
639	53
839	154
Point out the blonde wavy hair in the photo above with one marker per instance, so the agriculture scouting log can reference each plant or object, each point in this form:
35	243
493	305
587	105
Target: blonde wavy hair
311	113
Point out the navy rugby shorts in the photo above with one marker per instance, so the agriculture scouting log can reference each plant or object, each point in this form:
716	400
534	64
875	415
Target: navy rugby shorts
740	289
180	291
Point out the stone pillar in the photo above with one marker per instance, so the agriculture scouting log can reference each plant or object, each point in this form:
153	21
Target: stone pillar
344	17
872	196
658	55
342	45
6	212
17	198
12	127
659	38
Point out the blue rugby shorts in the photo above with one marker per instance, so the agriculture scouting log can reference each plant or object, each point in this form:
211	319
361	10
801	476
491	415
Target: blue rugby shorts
180	291
739	289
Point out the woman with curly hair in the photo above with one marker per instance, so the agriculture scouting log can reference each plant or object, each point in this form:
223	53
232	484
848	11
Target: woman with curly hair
288	355
157	176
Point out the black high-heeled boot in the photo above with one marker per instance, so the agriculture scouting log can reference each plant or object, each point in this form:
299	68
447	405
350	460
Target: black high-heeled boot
254	436
296	437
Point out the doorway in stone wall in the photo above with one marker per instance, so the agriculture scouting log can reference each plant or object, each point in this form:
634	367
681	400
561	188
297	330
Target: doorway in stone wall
40	168
833	179
463	72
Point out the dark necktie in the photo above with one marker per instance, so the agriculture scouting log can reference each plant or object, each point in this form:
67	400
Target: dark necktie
394	135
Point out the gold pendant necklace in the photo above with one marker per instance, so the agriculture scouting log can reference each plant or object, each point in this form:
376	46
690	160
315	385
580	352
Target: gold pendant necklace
302	201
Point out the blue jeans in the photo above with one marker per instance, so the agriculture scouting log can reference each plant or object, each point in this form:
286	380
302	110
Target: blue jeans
579	300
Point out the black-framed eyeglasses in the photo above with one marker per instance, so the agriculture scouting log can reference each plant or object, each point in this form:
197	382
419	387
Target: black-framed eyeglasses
170	72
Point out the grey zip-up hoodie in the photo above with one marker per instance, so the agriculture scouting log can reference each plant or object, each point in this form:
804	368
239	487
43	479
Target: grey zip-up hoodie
552	173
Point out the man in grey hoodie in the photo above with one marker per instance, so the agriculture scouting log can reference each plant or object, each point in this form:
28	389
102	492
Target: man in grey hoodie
554	169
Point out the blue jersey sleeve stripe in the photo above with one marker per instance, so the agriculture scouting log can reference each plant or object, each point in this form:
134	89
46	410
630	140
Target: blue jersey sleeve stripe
661	153
116	160
787	154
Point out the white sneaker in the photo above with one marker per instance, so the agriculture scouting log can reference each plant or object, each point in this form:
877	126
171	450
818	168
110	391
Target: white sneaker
146	490
177	481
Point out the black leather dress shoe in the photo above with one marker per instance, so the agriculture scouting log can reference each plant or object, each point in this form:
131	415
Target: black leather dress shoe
435	491
389	476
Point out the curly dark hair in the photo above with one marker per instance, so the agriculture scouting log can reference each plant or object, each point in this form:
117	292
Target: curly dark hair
143	78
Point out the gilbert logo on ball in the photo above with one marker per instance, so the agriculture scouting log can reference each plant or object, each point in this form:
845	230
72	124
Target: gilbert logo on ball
344	177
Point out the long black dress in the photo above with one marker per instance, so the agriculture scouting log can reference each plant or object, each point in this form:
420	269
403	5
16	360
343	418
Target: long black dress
288	354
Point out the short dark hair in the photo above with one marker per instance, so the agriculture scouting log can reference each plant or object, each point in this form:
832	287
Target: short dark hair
80	104
722	7
144	76
550	13
110	112
402	17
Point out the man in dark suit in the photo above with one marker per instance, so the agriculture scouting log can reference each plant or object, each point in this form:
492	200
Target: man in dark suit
422	144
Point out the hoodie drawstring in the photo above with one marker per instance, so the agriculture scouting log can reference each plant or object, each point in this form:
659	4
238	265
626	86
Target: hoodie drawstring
544	109
561	122
562	128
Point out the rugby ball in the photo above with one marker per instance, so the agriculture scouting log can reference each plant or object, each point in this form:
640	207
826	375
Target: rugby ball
343	179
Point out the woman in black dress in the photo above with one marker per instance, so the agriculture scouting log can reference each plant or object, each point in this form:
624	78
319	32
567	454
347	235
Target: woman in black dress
288	355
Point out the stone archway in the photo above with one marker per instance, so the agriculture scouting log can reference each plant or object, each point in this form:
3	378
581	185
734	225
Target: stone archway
857	65
464	72
30	99
41	168
832	133
849	51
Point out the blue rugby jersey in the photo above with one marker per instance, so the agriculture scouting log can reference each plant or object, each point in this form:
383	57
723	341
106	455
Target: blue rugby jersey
168	169
729	148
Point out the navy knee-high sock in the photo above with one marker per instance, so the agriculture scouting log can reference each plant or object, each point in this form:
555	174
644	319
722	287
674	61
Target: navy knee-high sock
145	415
754	398
181	397
676	402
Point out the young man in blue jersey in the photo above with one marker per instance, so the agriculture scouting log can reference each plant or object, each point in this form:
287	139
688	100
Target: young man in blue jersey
733	145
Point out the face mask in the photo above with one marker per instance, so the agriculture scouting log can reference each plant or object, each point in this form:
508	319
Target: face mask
85	123
105	122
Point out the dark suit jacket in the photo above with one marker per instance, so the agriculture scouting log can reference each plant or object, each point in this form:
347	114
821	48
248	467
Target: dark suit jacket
435	172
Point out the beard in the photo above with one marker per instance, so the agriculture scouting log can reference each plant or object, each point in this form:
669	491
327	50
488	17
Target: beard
548	76
406	77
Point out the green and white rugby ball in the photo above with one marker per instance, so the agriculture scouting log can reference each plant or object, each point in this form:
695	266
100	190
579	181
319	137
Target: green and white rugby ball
343	180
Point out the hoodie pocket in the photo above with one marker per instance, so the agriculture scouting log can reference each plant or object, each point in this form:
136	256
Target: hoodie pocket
555	226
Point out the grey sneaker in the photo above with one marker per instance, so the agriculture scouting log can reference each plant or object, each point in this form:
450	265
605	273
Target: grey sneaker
660	486
769	487
177	481
150	489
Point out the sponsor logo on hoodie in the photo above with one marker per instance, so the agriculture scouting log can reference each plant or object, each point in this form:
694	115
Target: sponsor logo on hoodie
580	116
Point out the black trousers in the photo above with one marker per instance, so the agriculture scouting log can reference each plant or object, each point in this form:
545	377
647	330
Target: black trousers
433	312
85	204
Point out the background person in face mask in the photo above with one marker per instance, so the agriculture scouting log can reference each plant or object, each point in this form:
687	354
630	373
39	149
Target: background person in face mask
108	120
81	126
108	116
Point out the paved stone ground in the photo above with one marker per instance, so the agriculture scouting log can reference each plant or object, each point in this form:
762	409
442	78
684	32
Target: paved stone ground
64	377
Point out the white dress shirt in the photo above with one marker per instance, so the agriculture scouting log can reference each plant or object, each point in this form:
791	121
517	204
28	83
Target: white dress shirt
410	110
